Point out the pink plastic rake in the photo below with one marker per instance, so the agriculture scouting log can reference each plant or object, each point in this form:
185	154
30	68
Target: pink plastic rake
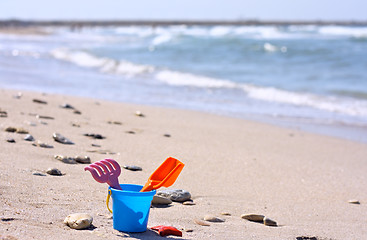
106	171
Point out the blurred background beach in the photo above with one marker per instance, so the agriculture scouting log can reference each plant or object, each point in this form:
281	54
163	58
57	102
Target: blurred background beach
309	76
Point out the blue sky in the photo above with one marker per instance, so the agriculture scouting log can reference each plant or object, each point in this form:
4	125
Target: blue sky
184	9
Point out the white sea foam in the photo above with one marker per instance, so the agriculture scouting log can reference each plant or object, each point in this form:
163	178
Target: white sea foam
108	65
357	32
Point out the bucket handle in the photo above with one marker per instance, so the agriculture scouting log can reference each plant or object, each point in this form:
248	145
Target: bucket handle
108	200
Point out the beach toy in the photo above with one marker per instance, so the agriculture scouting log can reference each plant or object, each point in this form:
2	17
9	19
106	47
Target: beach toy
165	175
167	230
105	171
130	207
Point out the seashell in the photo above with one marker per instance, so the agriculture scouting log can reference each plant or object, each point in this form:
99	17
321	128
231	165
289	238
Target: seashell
84	160
44	117
132	168
212	218
115	122
61	139
42	144
225	213
79	220
167	135
200	222
10	140
21	131
54	171
3	114
139	114
189	203
253	217
354	201
39	174
159	200
77	112
94	135
67	106
29	137
65	159
10	129
269	222
39	101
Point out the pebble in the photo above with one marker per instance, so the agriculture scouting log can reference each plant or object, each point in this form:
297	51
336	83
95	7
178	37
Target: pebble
354	201
139	114
130	132
94	135
253	217
10	129
65	159
67	106
189	203
54	171
42	144
39	101
159	200
225	213
200	222
39	174
84	160
167	135
132	168
21	131
212	218
44	117
79	220
75	125
3	114
29	137
101	151
176	195
10	140
269	222
61	139
95	145
115	122
77	112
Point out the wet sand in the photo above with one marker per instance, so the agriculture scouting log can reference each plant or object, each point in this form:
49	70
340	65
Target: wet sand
302	181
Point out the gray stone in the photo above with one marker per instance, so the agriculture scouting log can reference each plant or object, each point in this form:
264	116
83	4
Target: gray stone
42	144
176	195
132	168
159	200
269	222
61	139
253	217
10	140
38	174
29	137
65	159
212	218
84	160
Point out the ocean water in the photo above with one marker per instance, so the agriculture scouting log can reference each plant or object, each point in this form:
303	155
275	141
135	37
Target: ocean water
307	77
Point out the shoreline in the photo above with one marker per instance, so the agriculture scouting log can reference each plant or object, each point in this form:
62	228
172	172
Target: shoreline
303	181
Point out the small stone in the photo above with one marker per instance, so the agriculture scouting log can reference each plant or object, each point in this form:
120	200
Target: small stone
67	106
176	195
75	125
39	174
39	101
132	168
61	139
18	96
115	122
130	132
84	160
201	223
94	135
95	145
102	151
225	214
54	171
139	114
29	137
79	220
10	140
77	112
269	222
65	159
21	131
189	203
167	135
42	144
44	117
10	129
253	217
33	124
3	114
354	201
188	230
159	200
212	218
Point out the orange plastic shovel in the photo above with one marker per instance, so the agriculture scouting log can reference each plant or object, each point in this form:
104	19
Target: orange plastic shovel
165	175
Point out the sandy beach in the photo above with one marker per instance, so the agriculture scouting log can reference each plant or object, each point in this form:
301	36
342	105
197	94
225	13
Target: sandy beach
300	180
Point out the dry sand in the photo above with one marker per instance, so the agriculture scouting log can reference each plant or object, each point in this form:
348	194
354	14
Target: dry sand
303	181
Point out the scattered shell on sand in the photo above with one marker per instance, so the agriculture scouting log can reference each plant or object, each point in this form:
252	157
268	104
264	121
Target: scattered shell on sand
176	195
189	203
29	137
54	171
132	168
16	130
212	218
39	101
10	140
269	222
159	200
225	213
354	201
167	135
94	135
65	159
67	106
44	117
38	174
130	132
10	129
201	223
77	112
79	220
42	144
3	113
101	151
139	114
114	122
253	217
84	160
61	139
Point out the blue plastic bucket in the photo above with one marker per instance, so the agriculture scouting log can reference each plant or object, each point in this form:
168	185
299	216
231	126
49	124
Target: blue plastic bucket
130	208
